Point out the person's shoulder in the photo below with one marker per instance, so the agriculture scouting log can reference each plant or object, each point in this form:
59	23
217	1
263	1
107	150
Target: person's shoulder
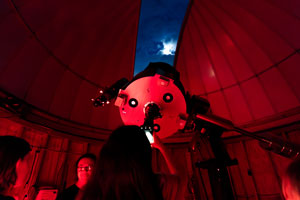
68	193
6	197
72	188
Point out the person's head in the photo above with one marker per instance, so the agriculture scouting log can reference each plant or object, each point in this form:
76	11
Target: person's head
124	168
84	167
12	151
291	181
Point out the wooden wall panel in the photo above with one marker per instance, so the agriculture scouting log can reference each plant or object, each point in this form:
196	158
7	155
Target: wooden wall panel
261	168
95	148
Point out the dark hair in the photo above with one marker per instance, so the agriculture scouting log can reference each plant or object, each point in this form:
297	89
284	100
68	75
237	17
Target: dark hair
11	150
124	168
87	155
293	174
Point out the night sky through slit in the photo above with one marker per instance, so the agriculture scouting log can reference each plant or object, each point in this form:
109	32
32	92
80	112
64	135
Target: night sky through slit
159	28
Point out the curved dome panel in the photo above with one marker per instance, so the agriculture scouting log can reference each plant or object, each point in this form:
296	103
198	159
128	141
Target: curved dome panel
55	55
243	56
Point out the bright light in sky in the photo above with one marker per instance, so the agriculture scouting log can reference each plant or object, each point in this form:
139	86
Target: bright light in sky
159	27
169	47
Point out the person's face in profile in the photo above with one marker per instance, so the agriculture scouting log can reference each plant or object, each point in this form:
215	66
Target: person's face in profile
23	170
84	170
288	190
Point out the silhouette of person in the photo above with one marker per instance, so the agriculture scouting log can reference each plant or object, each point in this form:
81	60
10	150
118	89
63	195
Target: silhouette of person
124	169
14	169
